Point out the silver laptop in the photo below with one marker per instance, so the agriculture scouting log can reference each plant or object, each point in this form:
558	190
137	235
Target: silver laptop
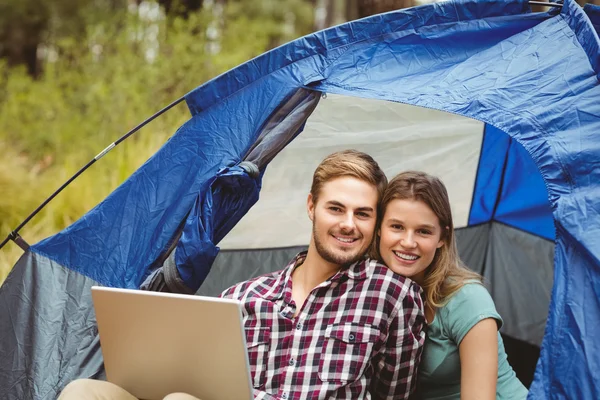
154	344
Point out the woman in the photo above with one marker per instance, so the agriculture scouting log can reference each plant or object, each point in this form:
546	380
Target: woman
464	356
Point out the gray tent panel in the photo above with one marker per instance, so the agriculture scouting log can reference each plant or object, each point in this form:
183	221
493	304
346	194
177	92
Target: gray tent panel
234	266
519	268
48	330
472	244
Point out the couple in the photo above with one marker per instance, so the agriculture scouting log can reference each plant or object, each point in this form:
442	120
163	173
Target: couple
336	325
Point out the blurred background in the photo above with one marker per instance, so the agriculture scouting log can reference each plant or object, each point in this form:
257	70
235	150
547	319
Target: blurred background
75	75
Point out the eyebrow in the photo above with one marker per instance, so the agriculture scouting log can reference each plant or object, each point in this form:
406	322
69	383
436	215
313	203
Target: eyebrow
426	226
338	204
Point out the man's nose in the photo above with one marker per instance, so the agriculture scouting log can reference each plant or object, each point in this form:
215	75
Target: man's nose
347	224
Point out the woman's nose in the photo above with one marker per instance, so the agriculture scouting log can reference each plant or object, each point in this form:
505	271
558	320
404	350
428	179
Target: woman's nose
408	241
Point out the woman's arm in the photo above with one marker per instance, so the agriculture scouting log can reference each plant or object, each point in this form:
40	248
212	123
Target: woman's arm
479	361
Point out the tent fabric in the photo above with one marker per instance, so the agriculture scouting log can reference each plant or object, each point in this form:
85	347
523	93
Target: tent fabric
47	328
532	77
509	188
519	274
593	12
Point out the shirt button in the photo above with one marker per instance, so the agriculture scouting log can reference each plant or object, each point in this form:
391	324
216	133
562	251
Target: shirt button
299	326
351	337
284	395
292	362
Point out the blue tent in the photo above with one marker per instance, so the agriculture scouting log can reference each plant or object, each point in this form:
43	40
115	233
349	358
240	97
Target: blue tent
518	150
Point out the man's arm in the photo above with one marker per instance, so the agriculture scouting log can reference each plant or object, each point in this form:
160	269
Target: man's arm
396	373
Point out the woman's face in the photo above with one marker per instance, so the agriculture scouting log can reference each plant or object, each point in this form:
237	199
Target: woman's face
409	236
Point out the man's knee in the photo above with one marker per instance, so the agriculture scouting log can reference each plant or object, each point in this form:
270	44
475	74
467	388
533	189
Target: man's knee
90	389
180	396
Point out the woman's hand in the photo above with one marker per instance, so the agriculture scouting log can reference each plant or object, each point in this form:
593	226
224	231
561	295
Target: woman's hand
479	361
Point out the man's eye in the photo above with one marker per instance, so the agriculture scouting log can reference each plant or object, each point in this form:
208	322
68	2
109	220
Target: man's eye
335	209
363	215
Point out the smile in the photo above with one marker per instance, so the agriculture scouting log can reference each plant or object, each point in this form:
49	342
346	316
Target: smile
404	256
345	239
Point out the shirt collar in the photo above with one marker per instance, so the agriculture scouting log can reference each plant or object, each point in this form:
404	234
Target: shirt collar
359	270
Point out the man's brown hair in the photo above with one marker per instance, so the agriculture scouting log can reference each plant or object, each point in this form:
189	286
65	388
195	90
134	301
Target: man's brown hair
352	163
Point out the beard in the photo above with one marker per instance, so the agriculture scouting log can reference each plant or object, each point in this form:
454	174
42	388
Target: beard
339	256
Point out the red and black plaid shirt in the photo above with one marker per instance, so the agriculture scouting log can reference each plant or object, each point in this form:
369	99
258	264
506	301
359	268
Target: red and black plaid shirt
359	335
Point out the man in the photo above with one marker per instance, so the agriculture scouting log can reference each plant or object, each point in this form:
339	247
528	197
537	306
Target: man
333	324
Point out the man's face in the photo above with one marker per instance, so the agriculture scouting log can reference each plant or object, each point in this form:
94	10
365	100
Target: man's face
343	219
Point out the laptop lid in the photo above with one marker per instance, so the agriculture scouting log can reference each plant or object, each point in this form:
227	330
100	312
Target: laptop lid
155	343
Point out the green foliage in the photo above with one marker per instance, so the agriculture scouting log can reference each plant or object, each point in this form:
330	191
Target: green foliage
102	78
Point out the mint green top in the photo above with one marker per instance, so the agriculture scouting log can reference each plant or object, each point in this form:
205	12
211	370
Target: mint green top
439	371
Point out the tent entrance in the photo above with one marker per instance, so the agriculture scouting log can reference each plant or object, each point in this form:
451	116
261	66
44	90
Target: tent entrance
515	253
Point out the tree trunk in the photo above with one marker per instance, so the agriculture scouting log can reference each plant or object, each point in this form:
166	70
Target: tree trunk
21	33
180	8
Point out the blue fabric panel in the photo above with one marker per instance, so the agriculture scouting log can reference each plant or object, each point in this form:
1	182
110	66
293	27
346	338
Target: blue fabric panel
586	32
334	41
116	242
490	171
593	12
509	188
523	201
230	196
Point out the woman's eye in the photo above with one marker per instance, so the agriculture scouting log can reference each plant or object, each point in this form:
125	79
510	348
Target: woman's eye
425	232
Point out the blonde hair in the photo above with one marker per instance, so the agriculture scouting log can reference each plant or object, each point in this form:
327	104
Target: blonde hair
351	163
446	274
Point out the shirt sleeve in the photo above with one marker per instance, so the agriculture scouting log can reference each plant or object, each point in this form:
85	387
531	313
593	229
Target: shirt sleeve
227	293
262	395
471	304
395	374
236	291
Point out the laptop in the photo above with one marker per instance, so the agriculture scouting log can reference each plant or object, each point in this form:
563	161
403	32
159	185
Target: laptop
155	343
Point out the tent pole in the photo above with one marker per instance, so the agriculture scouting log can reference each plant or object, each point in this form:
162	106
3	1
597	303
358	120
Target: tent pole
543	3
14	235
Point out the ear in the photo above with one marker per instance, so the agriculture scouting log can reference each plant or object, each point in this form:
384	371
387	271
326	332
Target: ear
310	207
442	241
